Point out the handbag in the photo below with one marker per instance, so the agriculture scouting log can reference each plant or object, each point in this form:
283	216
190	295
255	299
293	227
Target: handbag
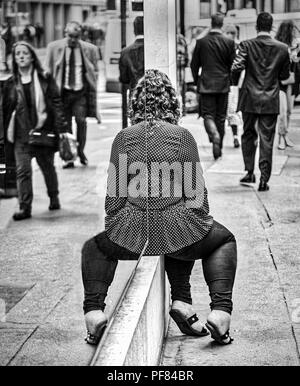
68	147
290	80
39	137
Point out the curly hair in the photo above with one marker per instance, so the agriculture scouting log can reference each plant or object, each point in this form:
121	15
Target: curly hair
153	99
286	32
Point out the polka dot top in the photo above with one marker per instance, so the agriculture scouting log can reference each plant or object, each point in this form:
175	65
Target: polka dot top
156	191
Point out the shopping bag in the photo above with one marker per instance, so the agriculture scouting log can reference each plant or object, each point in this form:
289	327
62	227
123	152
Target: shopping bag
68	147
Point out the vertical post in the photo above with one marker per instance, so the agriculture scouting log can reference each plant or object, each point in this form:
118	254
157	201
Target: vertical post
160	42
123	44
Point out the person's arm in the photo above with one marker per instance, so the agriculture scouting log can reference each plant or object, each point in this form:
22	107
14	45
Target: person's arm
284	72
61	125
123	68
196	62
194	190
239	63
116	195
49	60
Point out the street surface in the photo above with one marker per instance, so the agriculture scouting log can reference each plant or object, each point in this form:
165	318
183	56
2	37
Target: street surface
41	319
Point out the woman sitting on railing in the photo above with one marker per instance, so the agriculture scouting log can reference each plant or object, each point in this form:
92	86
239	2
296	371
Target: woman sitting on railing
156	197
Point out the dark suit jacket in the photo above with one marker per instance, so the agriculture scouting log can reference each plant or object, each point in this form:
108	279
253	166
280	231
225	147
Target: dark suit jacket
266	62
131	63
214	54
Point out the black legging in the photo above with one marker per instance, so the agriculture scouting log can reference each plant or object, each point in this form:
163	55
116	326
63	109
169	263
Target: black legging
219	258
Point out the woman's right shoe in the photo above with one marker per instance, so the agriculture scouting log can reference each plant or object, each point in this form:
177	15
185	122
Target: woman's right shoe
23	214
218	323
95	322
187	324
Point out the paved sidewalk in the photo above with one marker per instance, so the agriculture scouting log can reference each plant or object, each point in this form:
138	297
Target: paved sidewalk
266	317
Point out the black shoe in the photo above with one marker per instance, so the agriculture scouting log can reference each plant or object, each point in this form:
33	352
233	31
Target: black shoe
248	179
236	143
54	203
69	165
263	186
217	152
22	215
84	161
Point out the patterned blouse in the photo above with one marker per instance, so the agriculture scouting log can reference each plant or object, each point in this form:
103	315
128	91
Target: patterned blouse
156	190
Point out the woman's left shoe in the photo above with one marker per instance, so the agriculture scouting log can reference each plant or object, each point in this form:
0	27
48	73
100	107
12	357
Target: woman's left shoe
96	322
221	339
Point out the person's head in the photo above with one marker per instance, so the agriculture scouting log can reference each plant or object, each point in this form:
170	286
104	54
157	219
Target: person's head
154	98
230	31
286	32
138	25
73	33
264	22
217	21
24	57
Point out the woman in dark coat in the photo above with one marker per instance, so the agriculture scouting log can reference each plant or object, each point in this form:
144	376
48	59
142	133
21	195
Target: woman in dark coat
31	102
157	203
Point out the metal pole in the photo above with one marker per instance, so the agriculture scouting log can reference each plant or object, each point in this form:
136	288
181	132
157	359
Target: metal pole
123	44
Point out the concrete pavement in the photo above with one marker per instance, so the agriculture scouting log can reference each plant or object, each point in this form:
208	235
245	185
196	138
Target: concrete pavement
40	284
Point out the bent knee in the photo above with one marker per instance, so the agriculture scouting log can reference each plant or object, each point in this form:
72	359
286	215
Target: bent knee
89	249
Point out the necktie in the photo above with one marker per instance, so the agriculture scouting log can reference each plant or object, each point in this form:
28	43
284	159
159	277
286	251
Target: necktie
72	69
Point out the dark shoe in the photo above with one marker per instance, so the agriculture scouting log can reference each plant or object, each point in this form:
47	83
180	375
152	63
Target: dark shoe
22	215
248	179
263	186
217	152
84	161
54	203
69	165
218	321
236	143
95	322
185	324
215	334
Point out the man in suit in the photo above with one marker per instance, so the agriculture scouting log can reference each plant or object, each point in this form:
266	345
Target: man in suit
266	62
74	65
214	54
131	63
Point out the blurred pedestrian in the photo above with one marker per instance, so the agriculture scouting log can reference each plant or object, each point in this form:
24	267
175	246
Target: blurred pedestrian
182	63
131	64
31	103
233	117
74	64
39	32
214	55
287	34
267	63
175	222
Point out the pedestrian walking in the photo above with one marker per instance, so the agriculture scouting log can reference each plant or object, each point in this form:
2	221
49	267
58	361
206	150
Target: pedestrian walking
214	55
74	65
131	63
174	221
32	108
287	34
233	117
267	63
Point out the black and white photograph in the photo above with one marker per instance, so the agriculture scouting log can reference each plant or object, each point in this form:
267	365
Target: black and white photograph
150	186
